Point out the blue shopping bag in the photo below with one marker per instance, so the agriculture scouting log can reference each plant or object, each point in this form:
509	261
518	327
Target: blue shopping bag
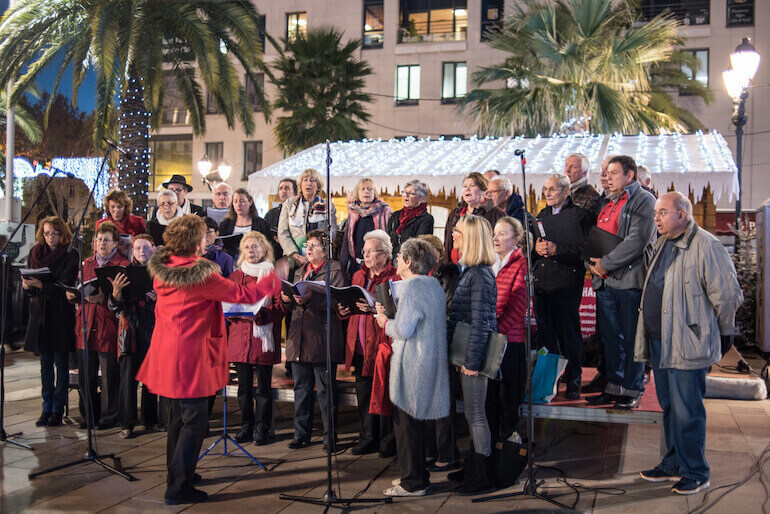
545	378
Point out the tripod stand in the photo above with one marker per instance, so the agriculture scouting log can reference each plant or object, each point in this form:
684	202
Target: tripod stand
91	455
330	498
530	486
226	437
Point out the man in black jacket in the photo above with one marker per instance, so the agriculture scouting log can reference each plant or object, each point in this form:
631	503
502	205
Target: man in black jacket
500	191
559	276
178	184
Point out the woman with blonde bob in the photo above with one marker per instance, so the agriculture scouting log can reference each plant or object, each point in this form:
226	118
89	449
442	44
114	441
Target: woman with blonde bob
475	302
366	212
255	342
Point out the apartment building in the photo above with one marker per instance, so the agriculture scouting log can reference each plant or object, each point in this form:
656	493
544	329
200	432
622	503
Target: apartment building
423	52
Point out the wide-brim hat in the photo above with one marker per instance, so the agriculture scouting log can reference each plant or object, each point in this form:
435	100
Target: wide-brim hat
178	179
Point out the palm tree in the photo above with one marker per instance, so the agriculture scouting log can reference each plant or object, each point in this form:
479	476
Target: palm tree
133	45
584	65
321	88
23	118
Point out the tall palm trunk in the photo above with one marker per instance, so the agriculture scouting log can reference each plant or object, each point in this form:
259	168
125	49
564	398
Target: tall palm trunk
134	129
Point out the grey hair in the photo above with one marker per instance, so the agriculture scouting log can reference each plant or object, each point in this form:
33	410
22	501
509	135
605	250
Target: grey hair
168	192
384	239
503	182
420	187
643	173
682	203
584	162
561	179
420	254
228	186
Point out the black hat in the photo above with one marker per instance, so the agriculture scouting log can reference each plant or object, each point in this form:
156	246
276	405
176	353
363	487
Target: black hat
178	179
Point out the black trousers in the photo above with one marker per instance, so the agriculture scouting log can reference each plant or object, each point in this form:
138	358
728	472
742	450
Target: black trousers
127	412
262	394
410	445
504	397
441	434
105	404
187	426
373	429
558	329
305	375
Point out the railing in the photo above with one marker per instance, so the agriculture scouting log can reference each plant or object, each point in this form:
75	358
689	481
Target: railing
175	117
691	12
444	30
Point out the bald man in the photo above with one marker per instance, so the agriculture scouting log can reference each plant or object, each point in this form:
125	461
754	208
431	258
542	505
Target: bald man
686	319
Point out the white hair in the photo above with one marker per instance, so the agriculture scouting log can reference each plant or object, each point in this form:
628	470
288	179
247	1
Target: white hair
643	174
561	179
584	162
219	184
682	203
420	187
503	182
168	192
383	238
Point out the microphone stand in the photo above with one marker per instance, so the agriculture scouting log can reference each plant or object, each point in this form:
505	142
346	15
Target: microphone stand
6	276
91	455
530	486
330	498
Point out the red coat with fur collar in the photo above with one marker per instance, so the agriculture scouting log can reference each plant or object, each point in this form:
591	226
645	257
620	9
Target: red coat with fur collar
188	352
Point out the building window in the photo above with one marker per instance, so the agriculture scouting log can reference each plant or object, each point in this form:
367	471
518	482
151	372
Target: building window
262	23
454	82
491	16
252	158
433	20
690	12
174	110
252	90
296	25
211	104
215	152
408	84
374	15
702	75
170	155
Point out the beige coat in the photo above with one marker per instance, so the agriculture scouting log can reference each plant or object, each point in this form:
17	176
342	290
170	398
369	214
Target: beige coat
700	297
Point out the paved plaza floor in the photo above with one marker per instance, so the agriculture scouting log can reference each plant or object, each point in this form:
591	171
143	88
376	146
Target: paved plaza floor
601	462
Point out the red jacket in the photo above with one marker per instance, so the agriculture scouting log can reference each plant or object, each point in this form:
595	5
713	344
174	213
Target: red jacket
130	224
242	346
511	297
372	331
102	324
188	351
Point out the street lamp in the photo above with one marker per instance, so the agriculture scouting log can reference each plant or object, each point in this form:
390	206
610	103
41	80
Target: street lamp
224	170
204	167
745	60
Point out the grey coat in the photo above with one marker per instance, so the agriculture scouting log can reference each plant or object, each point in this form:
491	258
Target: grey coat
287	233
419	377
625	263
700	296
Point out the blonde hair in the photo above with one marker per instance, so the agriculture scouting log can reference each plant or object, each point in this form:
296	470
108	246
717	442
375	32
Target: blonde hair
361	184
315	176
477	248
263	242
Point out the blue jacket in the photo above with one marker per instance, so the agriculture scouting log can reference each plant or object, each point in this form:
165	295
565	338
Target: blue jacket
515	207
218	255
475	303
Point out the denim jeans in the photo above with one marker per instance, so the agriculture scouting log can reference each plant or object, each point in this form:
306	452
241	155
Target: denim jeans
54	392
305	374
617	313
474	399
680	394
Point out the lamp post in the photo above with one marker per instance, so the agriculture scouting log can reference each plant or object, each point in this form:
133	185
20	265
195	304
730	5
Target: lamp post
745	61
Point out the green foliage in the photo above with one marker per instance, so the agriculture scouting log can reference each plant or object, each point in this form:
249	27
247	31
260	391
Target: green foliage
320	87
583	65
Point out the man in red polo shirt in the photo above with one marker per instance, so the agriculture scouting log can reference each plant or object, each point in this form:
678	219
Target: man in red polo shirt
618	281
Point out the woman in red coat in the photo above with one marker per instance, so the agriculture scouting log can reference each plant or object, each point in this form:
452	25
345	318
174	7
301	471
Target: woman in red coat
187	359
118	205
254	343
375	433
504	396
102	335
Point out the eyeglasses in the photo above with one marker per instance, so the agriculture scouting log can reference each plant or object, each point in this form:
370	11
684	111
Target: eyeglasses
104	240
313	246
495	191
176	189
166	204
51	234
408	193
660	214
551	189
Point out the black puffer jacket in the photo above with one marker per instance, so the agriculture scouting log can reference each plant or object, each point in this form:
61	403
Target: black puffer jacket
475	303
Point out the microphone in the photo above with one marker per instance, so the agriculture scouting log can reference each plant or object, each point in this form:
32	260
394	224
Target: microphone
129	155
518	153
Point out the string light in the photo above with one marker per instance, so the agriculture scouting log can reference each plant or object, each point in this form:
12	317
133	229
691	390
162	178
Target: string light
84	168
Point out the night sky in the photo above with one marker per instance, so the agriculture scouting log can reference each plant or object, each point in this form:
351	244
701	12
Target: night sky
48	76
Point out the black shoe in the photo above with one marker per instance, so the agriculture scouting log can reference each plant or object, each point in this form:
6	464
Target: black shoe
476	479
197	478
628	402
459	475
262	438
105	426
572	395
243	436
56	419
447	467
296	444
364	449
596	385
387	453
43	419
193	496
603	399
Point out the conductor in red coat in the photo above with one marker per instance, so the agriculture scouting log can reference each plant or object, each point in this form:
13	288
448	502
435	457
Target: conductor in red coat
102	330
187	359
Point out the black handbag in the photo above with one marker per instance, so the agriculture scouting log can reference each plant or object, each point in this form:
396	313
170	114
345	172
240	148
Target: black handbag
493	353
509	460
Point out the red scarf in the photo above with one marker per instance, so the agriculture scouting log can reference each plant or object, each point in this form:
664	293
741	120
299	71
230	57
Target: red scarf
408	214
42	256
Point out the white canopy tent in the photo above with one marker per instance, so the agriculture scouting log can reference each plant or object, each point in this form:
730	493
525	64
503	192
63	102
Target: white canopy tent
691	161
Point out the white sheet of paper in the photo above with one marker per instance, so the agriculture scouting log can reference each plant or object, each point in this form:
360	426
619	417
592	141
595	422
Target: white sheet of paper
242	309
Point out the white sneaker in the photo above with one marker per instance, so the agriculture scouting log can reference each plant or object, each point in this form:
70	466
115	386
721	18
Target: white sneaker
396	481
397	490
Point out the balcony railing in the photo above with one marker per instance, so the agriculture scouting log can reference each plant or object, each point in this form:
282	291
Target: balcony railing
443	30
175	117
690	12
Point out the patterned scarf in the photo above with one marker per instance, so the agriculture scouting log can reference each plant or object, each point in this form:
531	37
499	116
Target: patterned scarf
374	208
408	214
263	332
